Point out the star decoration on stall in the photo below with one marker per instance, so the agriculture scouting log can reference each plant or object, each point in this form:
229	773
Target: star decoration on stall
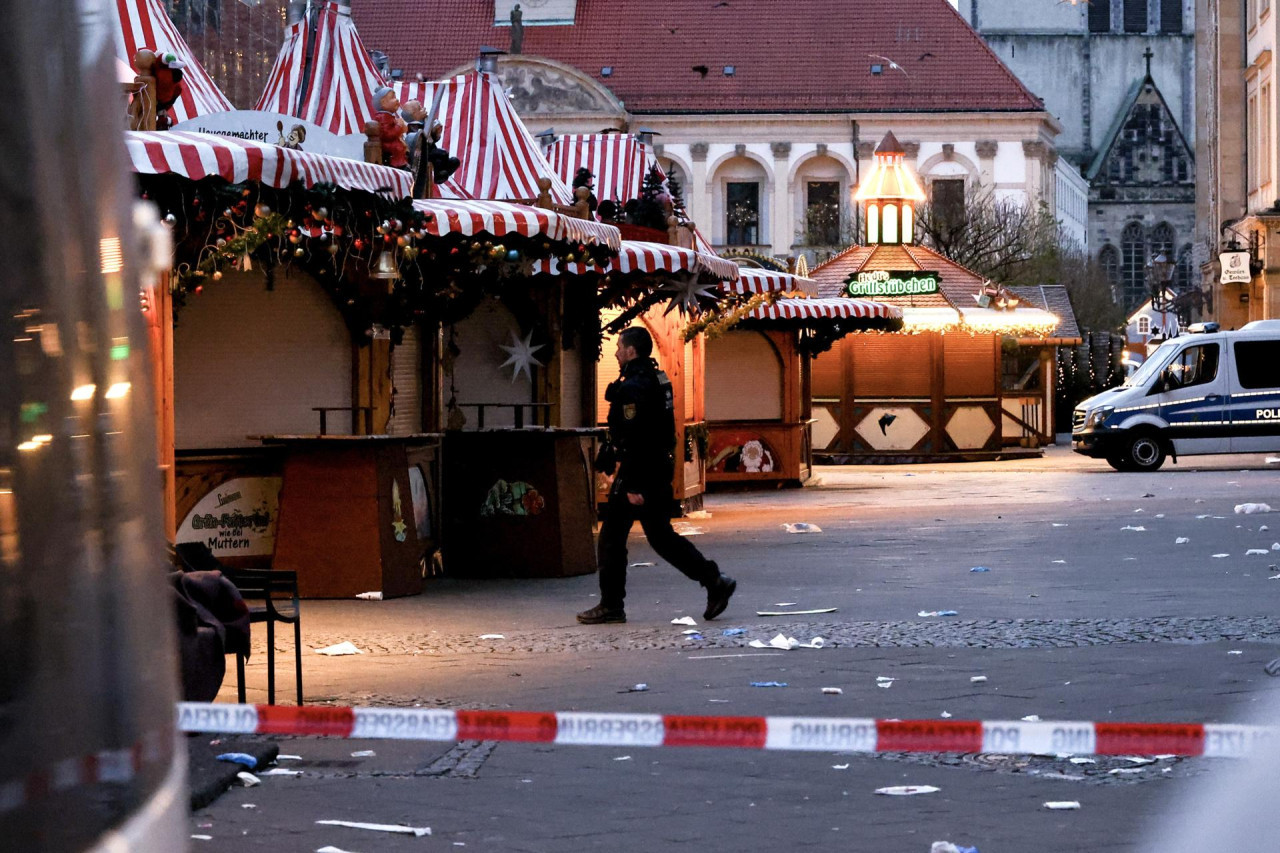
520	356
687	294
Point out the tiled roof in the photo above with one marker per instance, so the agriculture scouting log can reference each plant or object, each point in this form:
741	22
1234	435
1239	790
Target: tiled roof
1054	299
956	284
669	56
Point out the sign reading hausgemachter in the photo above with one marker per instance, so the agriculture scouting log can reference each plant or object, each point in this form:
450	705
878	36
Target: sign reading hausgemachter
891	283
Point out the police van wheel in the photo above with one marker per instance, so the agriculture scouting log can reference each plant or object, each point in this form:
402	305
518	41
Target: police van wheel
1119	461
1144	452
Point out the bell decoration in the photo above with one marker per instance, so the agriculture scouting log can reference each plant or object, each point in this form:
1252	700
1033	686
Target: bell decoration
385	267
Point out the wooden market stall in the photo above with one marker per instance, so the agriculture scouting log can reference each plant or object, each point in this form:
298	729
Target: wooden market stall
505	349
936	389
758	377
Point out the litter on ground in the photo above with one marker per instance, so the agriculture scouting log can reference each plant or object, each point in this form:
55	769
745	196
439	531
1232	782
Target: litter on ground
802	527
416	831
346	648
685	529
1181	540
796	612
239	758
370	596
1138	529
684	620
1256	552
977	679
1252	509
698	513
280	771
1062	805
492	636
948	847
832	691
980	569
733	632
363	753
768	684
248	779
639	565
907	790
930	613
1220	556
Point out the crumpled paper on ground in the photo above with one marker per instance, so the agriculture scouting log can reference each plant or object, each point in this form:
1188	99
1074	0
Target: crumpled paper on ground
802	527
1251	509
788	643
345	648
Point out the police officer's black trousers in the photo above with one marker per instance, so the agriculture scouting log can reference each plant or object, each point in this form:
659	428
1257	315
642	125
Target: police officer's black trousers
654	518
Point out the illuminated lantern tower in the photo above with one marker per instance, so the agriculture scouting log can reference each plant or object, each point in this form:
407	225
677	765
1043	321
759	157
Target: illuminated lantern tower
888	195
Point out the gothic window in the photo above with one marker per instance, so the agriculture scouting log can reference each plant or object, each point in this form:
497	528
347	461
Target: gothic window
1133	266
1135	16
742	212
1170	16
1182	272
1100	17
1162	239
1109	257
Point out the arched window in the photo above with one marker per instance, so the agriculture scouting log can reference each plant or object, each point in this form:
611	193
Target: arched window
1162	240
1182	272
1133	265
1109	257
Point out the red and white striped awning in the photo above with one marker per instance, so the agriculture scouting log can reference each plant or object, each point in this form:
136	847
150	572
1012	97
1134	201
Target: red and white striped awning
637	256
337	90
754	281
145	24
618	161
830	308
498	218
202	155
500	158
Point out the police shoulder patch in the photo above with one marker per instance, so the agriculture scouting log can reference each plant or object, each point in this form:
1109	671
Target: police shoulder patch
629	411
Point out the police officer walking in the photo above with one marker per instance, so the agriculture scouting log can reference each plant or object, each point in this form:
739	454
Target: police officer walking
640	455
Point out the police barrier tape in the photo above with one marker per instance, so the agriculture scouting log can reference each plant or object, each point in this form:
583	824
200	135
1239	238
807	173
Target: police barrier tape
784	733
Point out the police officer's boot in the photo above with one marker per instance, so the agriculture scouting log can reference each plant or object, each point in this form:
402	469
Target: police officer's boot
718	595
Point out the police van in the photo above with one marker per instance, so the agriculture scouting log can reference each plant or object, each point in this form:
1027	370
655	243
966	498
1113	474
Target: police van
1208	391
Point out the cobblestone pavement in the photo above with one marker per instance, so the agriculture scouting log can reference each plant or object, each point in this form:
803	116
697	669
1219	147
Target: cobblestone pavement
942	632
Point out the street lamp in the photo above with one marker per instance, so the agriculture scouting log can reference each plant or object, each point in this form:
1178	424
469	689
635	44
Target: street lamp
1159	278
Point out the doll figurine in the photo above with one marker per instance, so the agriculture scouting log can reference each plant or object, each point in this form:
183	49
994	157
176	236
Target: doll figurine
391	127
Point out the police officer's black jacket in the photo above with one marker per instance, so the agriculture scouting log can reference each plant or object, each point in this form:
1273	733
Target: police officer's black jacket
642	427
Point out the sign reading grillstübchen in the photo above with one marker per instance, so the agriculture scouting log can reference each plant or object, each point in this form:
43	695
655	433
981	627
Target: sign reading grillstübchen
891	283
1235	268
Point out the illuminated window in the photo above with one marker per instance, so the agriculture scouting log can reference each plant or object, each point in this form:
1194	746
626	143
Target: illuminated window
890	223
908	223
873	223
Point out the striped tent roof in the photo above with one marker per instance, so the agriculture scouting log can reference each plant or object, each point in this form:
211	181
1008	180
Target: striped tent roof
755	281
618	161
144	24
500	158
336	92
455	216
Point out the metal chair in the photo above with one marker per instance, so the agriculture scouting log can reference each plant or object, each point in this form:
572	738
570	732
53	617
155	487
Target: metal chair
272	597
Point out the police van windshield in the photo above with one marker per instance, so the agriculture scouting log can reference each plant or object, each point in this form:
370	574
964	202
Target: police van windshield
1152	366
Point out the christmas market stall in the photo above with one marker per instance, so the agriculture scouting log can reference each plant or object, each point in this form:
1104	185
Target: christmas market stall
506	360
758	375
935	389
664	278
